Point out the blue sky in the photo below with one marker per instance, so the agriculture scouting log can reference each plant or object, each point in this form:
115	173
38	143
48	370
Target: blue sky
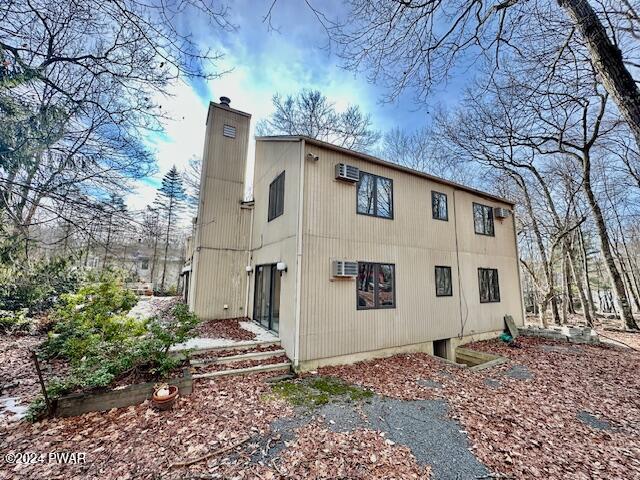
261	62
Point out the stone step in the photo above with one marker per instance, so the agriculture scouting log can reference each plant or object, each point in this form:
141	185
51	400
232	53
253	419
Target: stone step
273	367
239	358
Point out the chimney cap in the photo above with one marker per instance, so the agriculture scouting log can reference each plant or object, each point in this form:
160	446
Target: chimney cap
225	101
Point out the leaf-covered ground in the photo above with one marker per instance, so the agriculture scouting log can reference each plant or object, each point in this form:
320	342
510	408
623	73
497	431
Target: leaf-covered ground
229	328
556	411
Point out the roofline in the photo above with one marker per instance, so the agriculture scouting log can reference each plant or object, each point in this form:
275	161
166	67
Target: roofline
226	108
384	163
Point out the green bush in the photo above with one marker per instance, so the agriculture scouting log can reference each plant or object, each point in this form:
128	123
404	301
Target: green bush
91	318
102	344
36	286
12	322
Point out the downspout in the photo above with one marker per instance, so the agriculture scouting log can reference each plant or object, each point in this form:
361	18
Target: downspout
296	344
515	237
249	251
455	229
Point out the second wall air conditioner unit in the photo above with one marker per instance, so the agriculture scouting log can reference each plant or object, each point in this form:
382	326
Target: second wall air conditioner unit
344	269
347	173
501	212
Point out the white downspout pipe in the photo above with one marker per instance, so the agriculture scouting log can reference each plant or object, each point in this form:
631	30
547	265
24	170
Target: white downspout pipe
296	347
249	255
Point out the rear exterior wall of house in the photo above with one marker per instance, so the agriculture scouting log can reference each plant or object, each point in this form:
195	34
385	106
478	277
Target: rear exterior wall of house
333	328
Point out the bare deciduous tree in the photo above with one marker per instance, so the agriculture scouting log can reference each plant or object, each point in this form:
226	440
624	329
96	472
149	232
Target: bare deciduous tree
312	114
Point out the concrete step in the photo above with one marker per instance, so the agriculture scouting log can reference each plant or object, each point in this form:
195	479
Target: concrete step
238	358
273	367
235	346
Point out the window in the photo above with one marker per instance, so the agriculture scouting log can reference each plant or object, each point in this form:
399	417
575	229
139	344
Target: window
145	264
488	284
443	282
375	196
229	131
276	197
376	285
483	219
439	206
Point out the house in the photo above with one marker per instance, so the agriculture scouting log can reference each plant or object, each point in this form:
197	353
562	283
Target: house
344	255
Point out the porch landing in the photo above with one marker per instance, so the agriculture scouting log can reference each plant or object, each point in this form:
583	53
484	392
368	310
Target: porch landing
212	342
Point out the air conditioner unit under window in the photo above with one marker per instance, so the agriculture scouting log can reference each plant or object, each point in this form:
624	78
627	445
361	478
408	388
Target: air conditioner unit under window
501	212
344	269
347	173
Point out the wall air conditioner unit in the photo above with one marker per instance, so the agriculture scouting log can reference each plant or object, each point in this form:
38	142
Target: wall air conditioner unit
501	212
344	269
347	173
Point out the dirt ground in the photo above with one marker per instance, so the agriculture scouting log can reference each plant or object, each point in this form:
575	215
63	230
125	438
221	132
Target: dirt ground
555	410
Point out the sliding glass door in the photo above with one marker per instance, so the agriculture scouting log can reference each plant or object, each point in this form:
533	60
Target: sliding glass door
266	305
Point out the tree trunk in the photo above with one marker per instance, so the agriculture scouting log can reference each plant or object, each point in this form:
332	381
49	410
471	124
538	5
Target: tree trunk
607	61
567	281
106	247
166	245
586	308
585	269
603	235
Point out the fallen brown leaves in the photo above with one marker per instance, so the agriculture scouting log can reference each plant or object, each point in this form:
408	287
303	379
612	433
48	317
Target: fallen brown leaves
17	373
228	328
138	442
361	454
529	428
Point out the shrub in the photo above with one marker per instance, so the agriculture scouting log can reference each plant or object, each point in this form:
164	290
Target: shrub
102	344
36	285
95	315
13	322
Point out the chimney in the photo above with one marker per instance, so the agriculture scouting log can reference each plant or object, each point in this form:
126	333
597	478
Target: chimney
225	101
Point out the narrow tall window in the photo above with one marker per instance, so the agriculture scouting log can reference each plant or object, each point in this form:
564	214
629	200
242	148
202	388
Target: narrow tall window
375	196
376	285
488	285
483	219
276	197
439	206
443	282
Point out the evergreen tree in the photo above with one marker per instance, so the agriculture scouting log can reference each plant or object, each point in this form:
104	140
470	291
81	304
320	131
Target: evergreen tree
169	202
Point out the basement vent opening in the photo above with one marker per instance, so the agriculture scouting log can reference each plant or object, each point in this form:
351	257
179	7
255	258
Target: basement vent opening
229	131
440	348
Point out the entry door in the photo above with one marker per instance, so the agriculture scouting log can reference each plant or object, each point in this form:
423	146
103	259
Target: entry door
266	304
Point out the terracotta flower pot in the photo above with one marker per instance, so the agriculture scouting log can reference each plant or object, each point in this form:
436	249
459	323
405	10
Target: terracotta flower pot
165	403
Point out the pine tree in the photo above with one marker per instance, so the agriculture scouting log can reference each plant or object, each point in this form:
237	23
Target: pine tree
170	200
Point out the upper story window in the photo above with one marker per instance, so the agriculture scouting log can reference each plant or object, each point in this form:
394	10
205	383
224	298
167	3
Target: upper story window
439	206
276	197
375	196
229	131
376	284
488	285
443	282
145	264
483	219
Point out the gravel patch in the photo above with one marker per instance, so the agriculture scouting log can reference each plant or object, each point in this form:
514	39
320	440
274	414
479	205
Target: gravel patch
429	383
593	421
433	437
493	383
423	426
519	372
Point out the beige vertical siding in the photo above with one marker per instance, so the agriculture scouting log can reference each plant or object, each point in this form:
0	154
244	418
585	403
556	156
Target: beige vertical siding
222	230
481	251
275	241
415	242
